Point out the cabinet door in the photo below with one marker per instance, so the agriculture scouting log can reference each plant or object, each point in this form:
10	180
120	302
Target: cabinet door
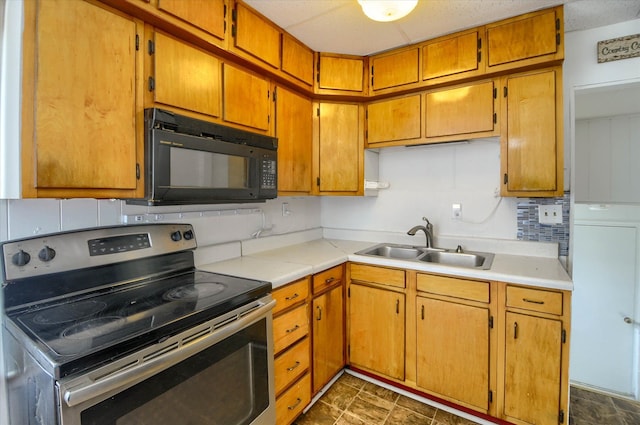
80	101
377	330
453	351
532	369
341	73
294	130
527	39
459	54
340	149
394	120
208	15
297	59
186	77
255	35
531	143
462	110
395	69
246	98
328	337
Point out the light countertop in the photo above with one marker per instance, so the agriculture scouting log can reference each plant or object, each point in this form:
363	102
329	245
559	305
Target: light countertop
288	263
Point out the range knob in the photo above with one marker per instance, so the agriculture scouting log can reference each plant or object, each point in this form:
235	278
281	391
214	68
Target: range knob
188	235
176	236
21	258
47	254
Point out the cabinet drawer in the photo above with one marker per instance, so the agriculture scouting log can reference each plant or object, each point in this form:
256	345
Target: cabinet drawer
453	287
291	294
290	404
534	299
327	278
381	275
292	364
290	327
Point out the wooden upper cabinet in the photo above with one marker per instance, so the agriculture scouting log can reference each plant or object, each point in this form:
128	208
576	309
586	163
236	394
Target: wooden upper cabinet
394	120
452	57
297	60
467	110
341	73
256	35
294	130
207	15
531	144
247	99
81	99
395	69
340	149
185	77
528	39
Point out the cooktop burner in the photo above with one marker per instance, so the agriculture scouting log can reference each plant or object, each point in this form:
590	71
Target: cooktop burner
193	292
64	314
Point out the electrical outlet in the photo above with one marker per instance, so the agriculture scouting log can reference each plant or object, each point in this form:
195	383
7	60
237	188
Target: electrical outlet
550	214
285	209
456	211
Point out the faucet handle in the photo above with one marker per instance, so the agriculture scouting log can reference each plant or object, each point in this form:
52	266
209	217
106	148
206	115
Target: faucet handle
426	219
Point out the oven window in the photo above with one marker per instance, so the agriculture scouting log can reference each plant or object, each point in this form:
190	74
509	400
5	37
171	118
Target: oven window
209	170
226	384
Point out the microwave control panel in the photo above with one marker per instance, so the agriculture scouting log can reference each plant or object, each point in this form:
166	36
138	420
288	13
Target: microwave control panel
269	174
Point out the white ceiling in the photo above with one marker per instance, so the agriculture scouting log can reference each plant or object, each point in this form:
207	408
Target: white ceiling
339	26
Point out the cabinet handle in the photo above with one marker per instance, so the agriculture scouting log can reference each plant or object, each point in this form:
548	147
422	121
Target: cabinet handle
329	280
298	401
293	329
515	330
293	367
422	312
527	300
292	297
319	310
397	306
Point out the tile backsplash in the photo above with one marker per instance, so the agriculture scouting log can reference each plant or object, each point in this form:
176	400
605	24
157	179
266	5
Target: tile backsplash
529	228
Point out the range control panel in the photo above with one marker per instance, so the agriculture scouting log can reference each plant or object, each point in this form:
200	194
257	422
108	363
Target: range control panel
58	252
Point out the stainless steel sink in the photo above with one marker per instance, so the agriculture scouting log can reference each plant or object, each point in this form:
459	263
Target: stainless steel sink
455	258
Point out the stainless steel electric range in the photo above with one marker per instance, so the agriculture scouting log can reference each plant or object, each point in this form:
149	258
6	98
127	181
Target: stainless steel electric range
116	326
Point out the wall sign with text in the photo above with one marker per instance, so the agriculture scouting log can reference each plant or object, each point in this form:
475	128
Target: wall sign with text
619	48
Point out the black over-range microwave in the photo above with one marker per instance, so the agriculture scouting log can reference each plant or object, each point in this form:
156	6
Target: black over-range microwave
190	161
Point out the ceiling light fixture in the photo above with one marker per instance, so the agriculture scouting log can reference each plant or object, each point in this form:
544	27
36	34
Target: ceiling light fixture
387	10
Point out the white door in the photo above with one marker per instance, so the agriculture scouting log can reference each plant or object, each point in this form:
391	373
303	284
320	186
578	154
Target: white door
604	274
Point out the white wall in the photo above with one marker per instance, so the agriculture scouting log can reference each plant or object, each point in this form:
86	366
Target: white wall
426	181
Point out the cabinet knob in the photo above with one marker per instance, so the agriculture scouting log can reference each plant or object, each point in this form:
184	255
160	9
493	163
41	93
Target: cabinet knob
628	320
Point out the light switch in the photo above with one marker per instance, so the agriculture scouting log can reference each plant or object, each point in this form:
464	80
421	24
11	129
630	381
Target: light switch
550	214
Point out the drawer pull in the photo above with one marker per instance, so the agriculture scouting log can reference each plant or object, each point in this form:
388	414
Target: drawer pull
298	401
293	367
329	280
292	297
319	310
293	329
527	300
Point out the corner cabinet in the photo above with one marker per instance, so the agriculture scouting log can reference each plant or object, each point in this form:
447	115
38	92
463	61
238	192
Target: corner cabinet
81	100
376	320
339	149
340	74
328	325
536	356
531	147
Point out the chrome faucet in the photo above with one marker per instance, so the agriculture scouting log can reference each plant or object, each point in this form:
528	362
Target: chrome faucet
428	231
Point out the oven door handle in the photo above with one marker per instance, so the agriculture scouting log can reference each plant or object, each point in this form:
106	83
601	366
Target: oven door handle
118	381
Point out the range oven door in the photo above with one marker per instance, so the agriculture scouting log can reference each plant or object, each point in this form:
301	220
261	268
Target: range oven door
219	377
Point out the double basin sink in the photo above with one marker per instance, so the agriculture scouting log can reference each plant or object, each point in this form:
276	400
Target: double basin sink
457	258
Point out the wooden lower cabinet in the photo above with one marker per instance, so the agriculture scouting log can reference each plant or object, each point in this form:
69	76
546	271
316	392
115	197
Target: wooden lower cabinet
453	351
497	348
328	326
292	350
377	327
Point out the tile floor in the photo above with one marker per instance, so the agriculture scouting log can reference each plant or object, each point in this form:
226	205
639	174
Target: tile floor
353	401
